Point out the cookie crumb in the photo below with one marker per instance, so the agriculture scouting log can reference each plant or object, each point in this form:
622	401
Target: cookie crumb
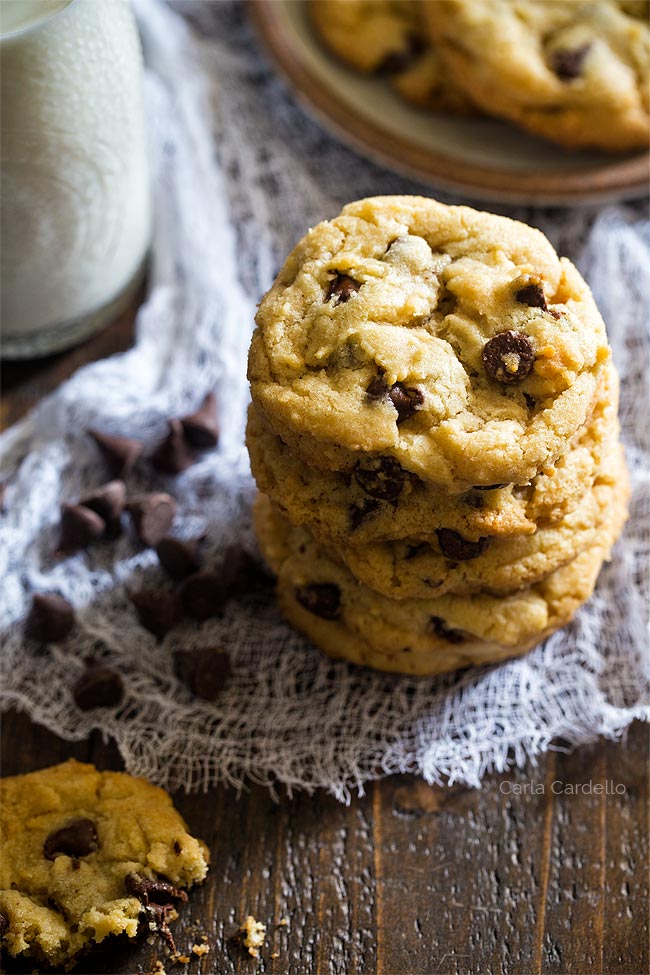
200	949
158	968
253	934
275	954
283	923
179	959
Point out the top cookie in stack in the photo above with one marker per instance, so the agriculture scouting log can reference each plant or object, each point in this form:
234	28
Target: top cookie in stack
425	375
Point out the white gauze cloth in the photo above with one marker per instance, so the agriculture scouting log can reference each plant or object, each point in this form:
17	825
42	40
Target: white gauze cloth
240	173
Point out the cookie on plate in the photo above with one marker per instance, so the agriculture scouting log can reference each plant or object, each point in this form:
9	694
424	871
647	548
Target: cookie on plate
574	71
453	341
86	854
347	620
379	501
388	37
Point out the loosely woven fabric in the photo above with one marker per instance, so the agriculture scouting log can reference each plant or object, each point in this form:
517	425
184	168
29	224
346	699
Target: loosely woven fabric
240	172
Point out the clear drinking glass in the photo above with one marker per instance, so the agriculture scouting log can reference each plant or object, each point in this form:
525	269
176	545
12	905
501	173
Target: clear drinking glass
75	217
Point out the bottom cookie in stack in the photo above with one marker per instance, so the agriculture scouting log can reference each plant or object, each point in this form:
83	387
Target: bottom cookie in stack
348	620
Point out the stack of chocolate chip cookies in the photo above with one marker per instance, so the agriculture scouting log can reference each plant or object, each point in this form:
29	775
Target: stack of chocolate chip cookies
434	432
576	72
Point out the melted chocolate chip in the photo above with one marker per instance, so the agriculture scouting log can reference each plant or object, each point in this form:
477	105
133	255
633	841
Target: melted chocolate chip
201	428
405	400
178	557
359	512
205	670
320	598
567	64
152	515
453	546
381	478
98	687
473	500
532	295
108	502
79	527
398	61
341	288
508	357
77	839
50	618
445	632
120	453
377	389
174	454
203	595
158	610
158	898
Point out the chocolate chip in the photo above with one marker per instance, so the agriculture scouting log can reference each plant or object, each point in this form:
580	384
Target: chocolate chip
377	389
489	487
398	61
405	400
50	619
77	839
474	500
445	632
508	357
178	557
567	64
241	573
157	897
381	477
320	598
108	502
4	924
359	512
453	546
153	516
79	527
203	595
341	288
174	454
158	610
531	402
532	295
205	670
201	428
98	687
120	453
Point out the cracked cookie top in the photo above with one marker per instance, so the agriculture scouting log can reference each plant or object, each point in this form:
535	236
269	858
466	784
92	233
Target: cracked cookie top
455	341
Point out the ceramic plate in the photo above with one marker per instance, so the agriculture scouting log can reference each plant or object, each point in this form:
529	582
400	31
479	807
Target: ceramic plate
480	158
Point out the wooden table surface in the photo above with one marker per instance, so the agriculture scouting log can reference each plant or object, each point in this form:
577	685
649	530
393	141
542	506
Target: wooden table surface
529	874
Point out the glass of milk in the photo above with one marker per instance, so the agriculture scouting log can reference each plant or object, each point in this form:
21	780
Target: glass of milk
75	205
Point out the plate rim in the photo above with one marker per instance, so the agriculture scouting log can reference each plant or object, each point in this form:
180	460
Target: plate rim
623	179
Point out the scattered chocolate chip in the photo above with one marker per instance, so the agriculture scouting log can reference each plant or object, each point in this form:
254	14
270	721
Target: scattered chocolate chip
567	64
77	839
108	502
489	487
381	478
157	897
241	573
377	389
203	595
341	288
4	924
79	527
205	670
532	295
453	546
398	61
179	557
508	357
99	687
359	512
445	632
406	401
120	453
320	598
201	428
174	454
153	516
50	618
158	610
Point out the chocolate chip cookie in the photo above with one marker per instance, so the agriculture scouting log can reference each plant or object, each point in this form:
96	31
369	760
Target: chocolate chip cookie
87	854
348	620
574	71
380	501
453	342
